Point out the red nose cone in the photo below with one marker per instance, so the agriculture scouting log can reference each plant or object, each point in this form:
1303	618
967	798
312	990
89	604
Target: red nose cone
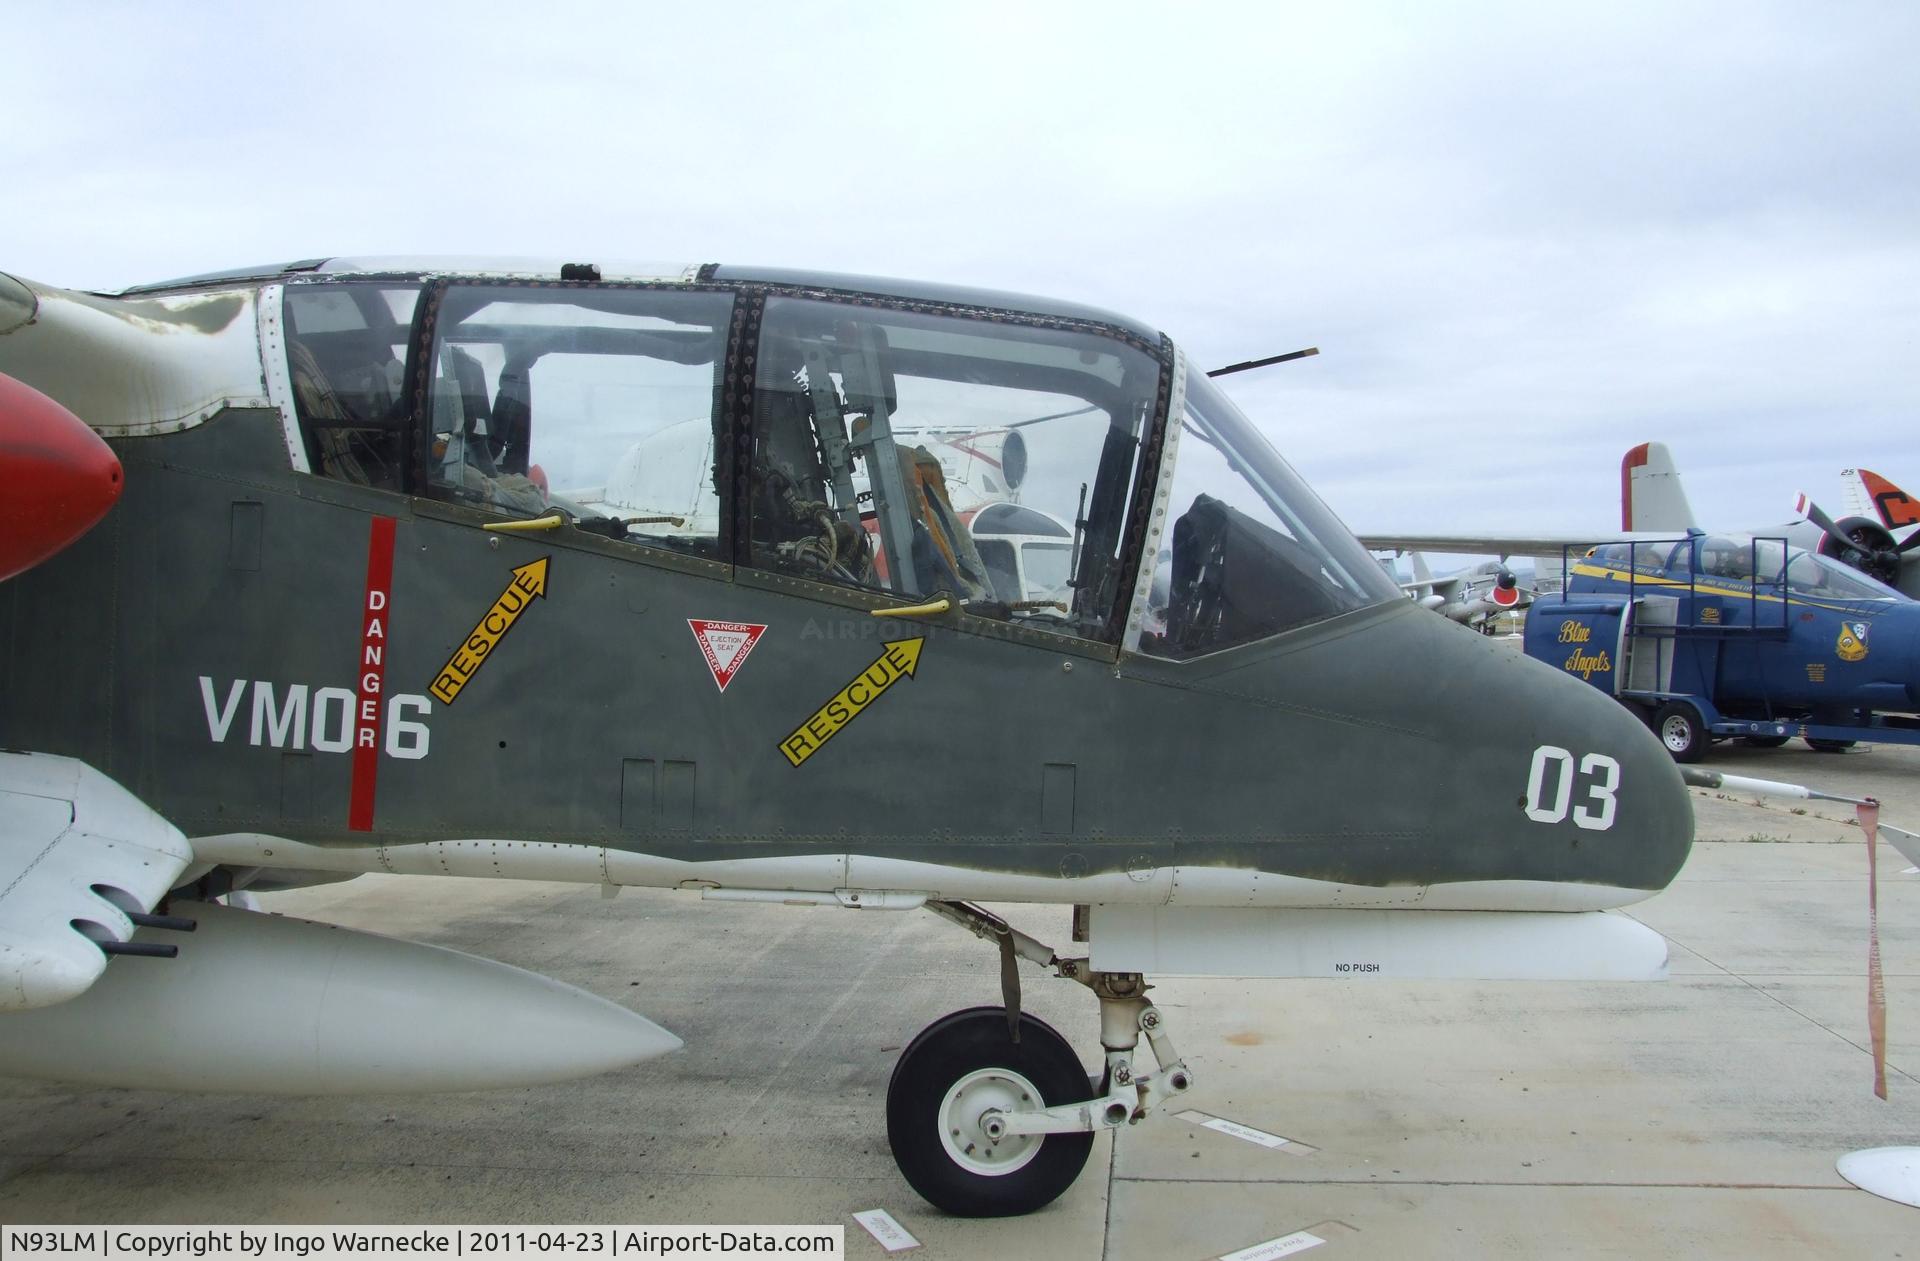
56	477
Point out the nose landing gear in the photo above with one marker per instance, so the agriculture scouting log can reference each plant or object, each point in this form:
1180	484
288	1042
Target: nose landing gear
946	1107
985	1121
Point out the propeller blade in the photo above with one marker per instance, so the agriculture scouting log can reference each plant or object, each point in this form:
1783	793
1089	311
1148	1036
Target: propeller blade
1804	506
1863	554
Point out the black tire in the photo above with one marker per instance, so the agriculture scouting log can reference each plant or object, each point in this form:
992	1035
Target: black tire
1829	746
1764	742
935	1064
1679	728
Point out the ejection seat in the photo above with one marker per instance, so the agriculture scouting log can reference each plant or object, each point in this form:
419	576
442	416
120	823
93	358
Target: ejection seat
943	546
347	407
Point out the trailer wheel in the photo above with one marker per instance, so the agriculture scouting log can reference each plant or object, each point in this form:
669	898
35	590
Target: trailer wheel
1679	727
1829	746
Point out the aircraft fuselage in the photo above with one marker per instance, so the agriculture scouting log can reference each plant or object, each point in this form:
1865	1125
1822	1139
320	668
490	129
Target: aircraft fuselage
267	652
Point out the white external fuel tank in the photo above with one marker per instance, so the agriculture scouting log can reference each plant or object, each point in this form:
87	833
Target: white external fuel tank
273	1005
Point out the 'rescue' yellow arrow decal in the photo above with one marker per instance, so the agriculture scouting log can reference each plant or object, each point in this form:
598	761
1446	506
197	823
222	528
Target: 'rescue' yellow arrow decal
898	661
529	583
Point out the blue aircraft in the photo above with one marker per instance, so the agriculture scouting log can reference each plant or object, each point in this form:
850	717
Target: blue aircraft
1719	636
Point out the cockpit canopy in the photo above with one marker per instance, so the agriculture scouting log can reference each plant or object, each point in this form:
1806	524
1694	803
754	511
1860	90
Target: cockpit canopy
1764	564
1034	467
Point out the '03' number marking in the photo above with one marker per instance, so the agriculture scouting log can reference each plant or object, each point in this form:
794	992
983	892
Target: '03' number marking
1599	775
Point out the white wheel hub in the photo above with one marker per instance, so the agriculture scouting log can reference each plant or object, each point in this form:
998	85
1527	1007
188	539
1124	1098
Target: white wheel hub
965	1110
1677	732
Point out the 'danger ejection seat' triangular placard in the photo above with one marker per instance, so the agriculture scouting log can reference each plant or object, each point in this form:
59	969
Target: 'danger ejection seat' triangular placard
725	646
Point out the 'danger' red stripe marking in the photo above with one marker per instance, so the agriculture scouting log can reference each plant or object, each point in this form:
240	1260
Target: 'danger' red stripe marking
372	671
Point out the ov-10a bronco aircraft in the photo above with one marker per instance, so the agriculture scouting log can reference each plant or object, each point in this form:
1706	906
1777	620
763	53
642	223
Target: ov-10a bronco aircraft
367	604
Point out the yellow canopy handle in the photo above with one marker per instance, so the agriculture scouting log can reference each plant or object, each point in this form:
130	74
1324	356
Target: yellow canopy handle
930	608
552	521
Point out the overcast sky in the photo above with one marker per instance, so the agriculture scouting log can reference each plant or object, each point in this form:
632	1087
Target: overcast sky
1525	237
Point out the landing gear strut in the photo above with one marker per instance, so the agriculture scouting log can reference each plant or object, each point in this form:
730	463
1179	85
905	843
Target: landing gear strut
985	1121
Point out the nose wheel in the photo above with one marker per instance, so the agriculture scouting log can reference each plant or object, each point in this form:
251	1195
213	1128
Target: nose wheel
953	1087
984	1123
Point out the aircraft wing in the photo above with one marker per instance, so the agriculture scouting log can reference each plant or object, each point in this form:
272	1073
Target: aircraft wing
79	855
1906	843
265	1003
1542	546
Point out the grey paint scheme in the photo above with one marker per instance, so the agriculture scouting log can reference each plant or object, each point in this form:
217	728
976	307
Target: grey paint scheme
1335	752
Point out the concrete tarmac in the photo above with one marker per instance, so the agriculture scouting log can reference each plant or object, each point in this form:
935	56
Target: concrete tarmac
1700	1117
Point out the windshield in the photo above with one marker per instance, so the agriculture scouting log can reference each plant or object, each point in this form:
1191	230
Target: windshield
1744	560
1823	577
1252	552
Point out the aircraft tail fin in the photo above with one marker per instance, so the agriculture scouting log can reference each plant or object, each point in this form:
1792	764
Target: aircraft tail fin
1420	571
1651	496
1871	495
